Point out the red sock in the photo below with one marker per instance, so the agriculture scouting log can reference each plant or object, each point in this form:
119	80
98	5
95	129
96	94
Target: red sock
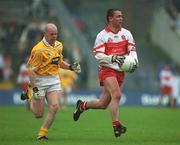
83	106
115	123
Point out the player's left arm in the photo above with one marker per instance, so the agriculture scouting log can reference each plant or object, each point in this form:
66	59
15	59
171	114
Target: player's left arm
74	67
132	51
64	65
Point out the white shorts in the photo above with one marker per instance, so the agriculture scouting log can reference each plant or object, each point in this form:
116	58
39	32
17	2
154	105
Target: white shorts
47	84
67	89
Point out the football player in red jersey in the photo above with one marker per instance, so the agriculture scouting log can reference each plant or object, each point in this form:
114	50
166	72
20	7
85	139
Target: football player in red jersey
111	46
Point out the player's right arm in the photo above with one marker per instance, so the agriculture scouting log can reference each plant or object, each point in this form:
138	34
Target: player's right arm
99	51
34	62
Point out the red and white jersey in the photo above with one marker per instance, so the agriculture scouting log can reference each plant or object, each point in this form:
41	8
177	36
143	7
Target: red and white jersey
23	76
176	86
108	43
166	77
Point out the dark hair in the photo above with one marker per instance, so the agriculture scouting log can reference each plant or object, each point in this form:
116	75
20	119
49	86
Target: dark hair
110	13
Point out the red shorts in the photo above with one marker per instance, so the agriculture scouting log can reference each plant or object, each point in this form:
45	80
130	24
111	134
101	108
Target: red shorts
105	72
166	90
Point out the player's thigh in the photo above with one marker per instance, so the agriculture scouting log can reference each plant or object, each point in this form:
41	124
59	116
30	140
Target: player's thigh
111	84
105	97
53	97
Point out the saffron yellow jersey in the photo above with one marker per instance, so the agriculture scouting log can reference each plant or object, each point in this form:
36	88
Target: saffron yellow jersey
67	77
45	59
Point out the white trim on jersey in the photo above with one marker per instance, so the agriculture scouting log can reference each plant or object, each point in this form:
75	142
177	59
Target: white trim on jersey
108	43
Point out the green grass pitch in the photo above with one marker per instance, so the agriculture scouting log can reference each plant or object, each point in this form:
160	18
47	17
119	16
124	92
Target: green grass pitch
145	126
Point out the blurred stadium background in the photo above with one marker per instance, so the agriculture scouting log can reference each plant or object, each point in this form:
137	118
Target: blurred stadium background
155	31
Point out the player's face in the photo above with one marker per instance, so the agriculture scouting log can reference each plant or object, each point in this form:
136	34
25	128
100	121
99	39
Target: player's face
117	19
51	36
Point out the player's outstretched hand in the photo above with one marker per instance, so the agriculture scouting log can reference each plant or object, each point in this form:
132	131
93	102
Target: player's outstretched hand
75	67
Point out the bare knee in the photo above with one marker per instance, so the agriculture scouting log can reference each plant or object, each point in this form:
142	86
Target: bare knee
38	114
116	96
54	108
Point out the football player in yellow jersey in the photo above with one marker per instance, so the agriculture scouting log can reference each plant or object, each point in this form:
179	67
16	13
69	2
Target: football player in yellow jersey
43	65
68	79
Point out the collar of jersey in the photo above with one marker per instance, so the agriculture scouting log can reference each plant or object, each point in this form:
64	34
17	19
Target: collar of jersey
107	28
46	43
